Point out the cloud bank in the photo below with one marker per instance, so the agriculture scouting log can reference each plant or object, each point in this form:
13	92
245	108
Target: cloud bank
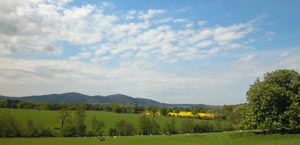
144	53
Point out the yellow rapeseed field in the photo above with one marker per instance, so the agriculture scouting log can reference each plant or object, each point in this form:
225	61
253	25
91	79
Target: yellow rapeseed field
190	114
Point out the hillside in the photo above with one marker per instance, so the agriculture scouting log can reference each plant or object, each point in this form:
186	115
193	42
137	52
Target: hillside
73	97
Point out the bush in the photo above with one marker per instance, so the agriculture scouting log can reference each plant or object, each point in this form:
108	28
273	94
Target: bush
125	128
9	127
170	127
69	129
97	126
148	125
112	132
101	138
187	126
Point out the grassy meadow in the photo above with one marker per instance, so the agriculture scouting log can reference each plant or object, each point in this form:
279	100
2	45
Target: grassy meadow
221	138
49	118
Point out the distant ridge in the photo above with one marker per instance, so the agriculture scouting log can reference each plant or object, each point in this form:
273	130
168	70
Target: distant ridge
74	97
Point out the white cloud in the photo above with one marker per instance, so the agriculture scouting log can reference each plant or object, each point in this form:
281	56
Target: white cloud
189	25
203	44
290	59
284	54
247	58
131	14
107	4
29	23
101	58
233	32
131	53
38	25
126	55
200	35
164	41
180	20
202	23
141	78
81	55
150	13
166	20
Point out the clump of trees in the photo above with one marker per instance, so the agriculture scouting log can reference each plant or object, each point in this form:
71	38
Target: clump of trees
170	127
274	102
148	126
187	126
10	127
97	127
72	123
125	128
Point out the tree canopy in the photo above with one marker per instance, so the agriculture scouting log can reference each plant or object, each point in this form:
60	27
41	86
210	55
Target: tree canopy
274	102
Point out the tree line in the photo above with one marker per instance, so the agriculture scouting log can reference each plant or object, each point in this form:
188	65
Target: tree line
221	112
118	108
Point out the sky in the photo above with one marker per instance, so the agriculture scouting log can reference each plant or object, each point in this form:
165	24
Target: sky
172	51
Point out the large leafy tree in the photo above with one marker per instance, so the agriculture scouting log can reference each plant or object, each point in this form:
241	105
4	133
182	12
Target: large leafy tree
274	102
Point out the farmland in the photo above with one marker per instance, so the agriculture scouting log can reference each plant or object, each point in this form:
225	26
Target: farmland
50	118
228	138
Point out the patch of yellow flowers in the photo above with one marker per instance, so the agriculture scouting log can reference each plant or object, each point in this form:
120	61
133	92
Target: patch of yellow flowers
190	114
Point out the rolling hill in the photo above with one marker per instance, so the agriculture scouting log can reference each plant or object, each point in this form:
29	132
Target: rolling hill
73	97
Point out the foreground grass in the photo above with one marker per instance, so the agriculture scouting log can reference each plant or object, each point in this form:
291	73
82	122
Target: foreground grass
229	138
49	118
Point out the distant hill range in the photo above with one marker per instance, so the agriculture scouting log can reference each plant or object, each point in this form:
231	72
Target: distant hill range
74	97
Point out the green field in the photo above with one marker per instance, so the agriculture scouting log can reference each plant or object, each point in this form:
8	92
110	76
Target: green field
229	138
49	118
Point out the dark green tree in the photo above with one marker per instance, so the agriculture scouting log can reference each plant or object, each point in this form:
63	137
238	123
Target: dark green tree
30	130
164	111
143	125
79	115
273	103
148	125
63	115
187	126
97	126
9	127
69	129
170	127
155	128
113	132
125	128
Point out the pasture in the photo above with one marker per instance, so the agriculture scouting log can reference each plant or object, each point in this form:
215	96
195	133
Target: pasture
49	118
221	138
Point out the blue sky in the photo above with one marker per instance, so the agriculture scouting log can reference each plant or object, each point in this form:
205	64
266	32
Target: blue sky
171	51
